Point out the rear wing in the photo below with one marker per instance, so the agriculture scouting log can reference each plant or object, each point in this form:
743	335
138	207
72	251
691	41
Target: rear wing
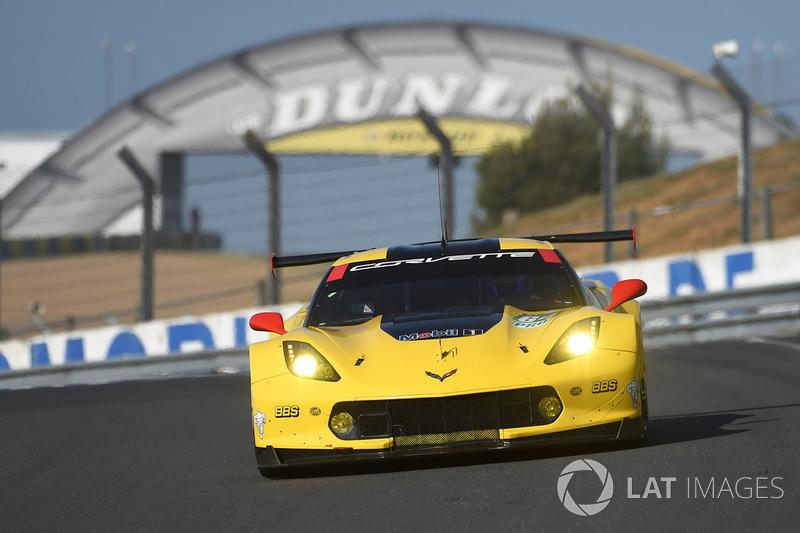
305	259
594	236
327	257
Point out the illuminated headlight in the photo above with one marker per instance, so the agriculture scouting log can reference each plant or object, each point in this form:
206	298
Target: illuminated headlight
304	361
580	344
579	339
305	365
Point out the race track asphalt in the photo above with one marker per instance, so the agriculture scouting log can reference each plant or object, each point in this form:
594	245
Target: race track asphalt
723	452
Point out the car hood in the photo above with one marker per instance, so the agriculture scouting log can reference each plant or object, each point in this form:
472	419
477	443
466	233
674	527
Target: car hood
448	355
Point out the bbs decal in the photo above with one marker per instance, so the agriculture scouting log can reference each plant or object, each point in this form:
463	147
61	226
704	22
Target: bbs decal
606	385
287	411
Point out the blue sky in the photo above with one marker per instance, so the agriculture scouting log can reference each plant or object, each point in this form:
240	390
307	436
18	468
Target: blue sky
51	56
52	79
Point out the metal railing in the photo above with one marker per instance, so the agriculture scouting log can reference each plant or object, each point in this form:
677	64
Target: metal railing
733	314
134	368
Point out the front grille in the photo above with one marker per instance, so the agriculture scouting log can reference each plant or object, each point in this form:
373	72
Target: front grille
451	420
457	438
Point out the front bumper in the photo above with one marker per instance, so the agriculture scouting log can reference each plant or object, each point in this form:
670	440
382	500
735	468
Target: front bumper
292	418
274	462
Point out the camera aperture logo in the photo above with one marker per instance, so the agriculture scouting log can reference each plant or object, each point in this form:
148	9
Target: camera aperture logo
585	509
586	487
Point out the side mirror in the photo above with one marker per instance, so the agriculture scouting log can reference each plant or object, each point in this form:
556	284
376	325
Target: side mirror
272	322
625	291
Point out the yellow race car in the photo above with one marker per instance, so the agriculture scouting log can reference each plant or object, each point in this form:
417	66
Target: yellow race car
445	347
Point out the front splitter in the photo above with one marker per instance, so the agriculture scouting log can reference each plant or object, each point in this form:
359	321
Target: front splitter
276	462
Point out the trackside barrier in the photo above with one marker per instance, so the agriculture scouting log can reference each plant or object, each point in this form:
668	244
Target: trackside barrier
210	343
216	361
733	314
219	343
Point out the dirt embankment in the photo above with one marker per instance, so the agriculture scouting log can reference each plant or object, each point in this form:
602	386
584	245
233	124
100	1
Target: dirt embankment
662	226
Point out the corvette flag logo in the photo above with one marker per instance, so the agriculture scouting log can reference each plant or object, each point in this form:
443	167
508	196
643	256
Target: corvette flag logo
443	377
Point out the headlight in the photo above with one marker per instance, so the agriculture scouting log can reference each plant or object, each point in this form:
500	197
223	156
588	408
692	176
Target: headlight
304	361
579	339
341	423
550	407
580	343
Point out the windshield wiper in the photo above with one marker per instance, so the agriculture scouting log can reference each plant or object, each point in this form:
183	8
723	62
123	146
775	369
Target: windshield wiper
453	312
344	322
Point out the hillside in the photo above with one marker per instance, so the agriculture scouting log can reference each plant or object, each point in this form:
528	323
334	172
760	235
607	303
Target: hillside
677	230
104	288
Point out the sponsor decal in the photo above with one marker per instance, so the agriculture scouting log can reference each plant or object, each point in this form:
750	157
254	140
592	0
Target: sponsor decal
384	97
575	391
633	390
442	377
426	260
531	321
471	332
260	419
364	309
435	334
287	411
315	411
605	385
443	355
585	509
400	136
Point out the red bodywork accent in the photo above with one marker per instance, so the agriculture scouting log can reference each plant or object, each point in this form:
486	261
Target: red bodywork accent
269	321
336	273
624	291
550	256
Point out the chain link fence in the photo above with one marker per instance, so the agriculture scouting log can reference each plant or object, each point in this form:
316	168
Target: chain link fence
358	202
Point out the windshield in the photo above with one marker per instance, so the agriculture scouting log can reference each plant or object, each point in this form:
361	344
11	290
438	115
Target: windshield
436	287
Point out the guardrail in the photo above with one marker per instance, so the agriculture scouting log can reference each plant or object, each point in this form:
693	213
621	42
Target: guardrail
210	361
733	314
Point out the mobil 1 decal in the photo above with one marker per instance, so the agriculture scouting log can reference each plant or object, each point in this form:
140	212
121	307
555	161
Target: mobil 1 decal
526	321
441	328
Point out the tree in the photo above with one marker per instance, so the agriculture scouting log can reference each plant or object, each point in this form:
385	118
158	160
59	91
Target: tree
642	155
561	159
